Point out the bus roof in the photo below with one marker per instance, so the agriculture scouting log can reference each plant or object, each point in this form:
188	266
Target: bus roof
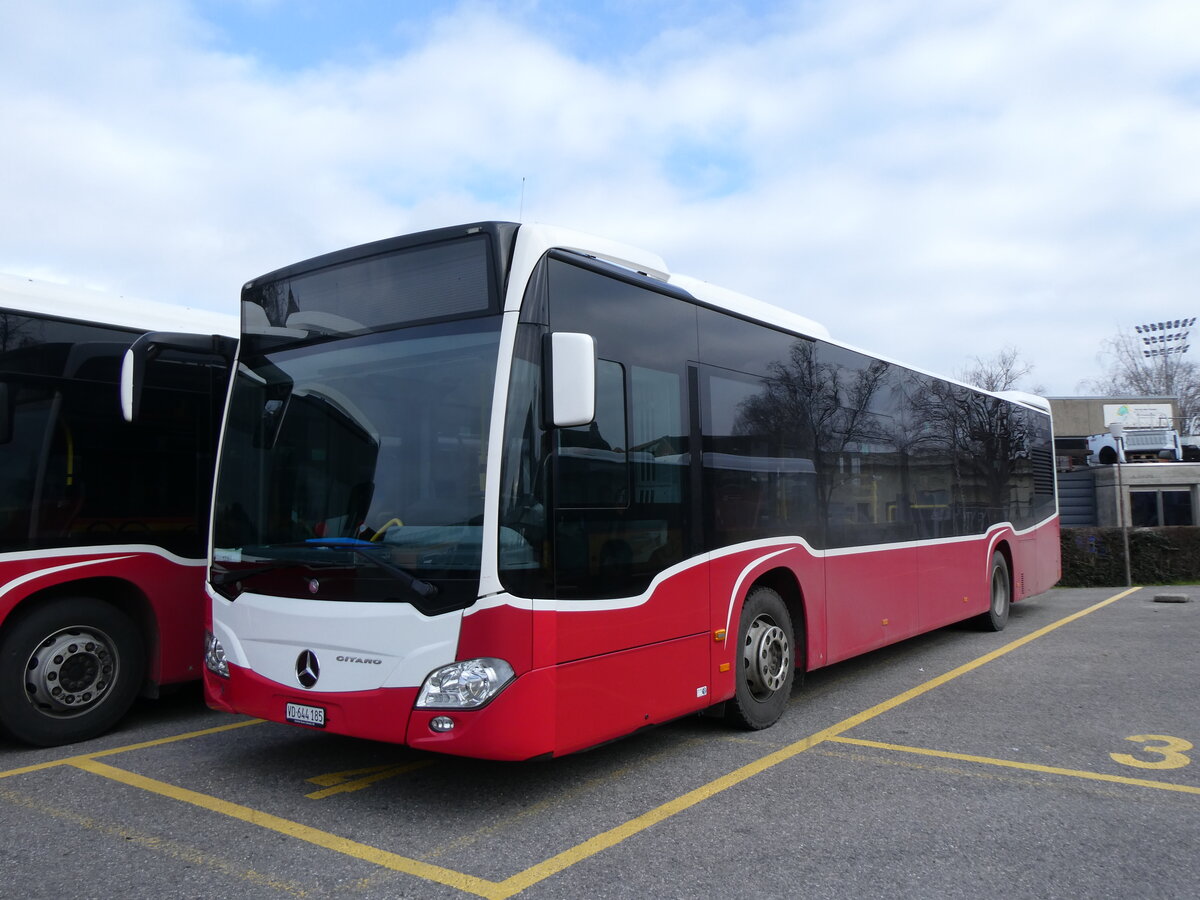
543	237
63	301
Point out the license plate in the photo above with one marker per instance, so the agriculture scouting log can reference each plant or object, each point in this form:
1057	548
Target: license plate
305	715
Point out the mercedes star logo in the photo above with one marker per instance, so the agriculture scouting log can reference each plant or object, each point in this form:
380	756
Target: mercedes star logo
308	670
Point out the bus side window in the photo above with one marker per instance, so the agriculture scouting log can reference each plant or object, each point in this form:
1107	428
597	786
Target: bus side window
593	469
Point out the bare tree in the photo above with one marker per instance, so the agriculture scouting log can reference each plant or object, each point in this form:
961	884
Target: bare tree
1128	371
1005	371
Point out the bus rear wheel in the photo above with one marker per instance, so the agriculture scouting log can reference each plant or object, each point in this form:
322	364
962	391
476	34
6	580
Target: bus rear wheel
766	661
69	669
1000	595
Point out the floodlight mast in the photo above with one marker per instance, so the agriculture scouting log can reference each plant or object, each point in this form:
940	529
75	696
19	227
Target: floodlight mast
1165	338
1163	347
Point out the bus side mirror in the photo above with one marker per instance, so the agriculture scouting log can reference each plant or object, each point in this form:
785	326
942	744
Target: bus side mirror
133	366
572	393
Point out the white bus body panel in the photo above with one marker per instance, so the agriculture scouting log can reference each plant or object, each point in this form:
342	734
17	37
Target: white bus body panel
84	305
382	645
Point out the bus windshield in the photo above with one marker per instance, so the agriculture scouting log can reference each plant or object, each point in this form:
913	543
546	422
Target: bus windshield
357	463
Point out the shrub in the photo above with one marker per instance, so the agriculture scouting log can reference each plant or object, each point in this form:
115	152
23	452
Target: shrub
1094	557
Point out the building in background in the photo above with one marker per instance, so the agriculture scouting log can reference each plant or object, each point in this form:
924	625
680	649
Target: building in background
1152	490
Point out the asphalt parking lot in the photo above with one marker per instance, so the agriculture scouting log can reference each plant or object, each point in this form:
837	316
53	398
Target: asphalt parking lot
1058	758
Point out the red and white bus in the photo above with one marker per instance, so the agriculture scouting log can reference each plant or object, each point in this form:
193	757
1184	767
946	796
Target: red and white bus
508	491
102	523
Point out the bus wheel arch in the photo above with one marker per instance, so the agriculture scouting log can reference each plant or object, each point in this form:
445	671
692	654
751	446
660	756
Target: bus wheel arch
72	662
129	599
768	652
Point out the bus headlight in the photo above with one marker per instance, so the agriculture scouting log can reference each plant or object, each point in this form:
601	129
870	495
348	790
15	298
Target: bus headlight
214	656
464	685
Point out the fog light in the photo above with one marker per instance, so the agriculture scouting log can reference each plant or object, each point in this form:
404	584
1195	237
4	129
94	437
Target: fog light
441	724
214	656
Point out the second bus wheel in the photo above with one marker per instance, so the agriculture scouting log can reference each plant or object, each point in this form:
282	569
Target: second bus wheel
69	669
766	661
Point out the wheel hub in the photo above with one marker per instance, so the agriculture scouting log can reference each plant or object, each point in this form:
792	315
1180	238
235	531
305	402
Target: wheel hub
767	656
71	671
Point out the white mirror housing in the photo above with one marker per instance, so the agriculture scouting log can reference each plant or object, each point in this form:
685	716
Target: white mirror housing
130	373
572	379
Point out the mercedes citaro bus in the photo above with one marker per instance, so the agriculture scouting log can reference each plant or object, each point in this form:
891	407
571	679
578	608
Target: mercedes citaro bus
509	491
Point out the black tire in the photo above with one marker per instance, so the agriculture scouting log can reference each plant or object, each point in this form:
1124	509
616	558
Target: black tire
69	669
766	661
999	595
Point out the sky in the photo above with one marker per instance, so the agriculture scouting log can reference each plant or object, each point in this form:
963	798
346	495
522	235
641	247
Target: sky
932	180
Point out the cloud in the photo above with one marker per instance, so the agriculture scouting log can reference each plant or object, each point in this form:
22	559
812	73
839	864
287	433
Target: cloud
932	180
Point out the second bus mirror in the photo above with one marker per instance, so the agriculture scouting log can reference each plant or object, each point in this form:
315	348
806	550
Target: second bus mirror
149	345
132	367
572	379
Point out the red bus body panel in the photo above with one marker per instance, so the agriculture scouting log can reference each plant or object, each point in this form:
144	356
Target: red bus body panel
579	683
165	594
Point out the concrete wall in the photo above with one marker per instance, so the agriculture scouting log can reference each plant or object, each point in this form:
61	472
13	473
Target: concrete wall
1081	416
1133	477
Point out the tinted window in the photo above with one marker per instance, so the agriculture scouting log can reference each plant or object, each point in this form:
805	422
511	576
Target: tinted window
525	476
379	438
742	346
933	489
630	323
616	550
429	282
72	471
760	472
894	455
593	467
863	470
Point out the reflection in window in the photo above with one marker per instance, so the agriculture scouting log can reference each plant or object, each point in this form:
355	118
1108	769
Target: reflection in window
759	471
617	550
525	474
592	469
72	471
378	437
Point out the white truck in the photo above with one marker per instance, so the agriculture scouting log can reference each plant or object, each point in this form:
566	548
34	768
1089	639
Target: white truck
1139	445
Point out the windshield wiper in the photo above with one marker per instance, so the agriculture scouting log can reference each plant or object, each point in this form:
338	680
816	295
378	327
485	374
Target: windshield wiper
229	576
421	588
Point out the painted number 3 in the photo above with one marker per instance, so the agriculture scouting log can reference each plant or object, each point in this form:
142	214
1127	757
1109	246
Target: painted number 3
1171	751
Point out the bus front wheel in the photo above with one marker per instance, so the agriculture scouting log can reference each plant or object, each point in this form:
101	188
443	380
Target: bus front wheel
69	669
766	661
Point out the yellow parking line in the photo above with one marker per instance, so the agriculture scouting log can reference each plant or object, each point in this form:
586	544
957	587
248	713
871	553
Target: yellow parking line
1029	767
344	783
71	760
469	883
616	835
158	844
515	884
